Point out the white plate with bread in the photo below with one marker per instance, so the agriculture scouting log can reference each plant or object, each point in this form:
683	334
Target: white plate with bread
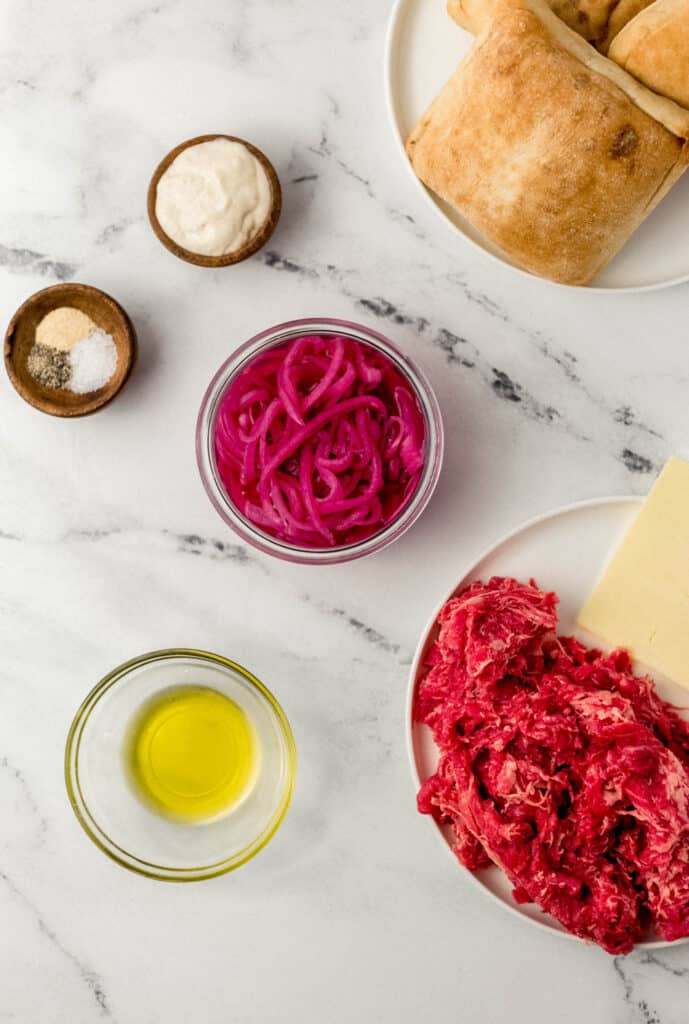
529	140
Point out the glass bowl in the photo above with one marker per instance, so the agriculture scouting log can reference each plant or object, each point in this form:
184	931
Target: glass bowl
121	824
205	446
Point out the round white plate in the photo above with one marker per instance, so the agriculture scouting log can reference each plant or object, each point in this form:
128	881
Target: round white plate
424	46
564	551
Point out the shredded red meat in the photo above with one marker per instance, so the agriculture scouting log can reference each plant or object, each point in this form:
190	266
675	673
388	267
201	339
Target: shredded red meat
559	765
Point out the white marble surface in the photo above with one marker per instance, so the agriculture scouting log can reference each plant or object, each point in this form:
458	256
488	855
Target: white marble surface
108	546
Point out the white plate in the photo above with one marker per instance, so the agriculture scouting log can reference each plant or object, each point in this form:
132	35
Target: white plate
563	551
424	47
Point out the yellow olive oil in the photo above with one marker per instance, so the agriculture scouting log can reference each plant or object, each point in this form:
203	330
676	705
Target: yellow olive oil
191	753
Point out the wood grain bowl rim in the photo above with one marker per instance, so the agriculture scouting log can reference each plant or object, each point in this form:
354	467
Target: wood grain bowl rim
252	246
64	294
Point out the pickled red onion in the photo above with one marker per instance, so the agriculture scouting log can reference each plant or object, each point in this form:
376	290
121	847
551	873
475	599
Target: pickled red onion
320	441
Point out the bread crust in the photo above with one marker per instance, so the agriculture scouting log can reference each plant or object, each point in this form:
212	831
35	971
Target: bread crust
551	151
597	21
654	47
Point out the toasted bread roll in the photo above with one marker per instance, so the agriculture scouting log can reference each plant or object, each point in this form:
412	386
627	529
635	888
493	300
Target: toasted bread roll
597	21
551	151
654	47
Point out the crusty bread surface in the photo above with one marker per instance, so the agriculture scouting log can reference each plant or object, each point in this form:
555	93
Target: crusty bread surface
654	47
553	153
598	21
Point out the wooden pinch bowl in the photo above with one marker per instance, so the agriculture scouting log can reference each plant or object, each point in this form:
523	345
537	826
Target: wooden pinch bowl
254	244
105	312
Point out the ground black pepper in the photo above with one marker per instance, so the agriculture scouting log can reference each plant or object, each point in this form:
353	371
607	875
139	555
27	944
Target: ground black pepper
49	366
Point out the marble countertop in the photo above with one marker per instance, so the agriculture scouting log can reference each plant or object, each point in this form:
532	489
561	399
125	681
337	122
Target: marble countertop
109	547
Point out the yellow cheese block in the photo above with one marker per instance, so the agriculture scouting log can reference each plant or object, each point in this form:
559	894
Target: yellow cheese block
642	599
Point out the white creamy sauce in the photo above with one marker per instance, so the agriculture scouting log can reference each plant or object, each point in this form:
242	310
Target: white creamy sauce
214	198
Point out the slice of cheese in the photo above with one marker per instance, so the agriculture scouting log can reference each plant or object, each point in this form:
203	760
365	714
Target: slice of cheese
642	600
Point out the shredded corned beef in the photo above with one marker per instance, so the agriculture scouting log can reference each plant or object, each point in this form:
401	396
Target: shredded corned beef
558	765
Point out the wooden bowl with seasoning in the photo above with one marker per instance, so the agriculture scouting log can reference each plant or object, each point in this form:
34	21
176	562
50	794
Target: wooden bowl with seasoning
105	313
257	239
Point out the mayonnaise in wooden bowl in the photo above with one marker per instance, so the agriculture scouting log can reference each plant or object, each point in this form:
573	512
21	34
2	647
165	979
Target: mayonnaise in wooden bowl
214	200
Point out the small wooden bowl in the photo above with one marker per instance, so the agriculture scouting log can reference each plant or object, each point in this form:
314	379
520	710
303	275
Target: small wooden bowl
247	250
20	338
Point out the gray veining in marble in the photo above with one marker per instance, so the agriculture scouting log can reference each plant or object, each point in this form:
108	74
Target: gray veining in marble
109	546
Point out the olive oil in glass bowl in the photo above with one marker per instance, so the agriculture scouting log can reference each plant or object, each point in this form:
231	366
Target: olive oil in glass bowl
192	754
180	765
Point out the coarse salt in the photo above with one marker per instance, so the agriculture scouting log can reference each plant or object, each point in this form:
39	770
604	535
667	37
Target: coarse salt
93	361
